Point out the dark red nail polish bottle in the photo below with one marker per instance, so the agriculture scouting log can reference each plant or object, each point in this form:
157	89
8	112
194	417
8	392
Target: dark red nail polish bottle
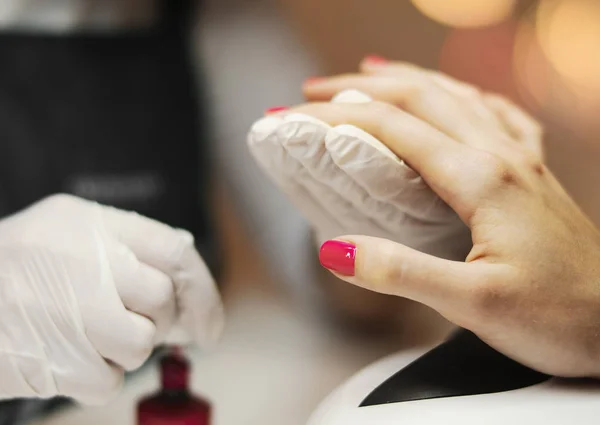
174	404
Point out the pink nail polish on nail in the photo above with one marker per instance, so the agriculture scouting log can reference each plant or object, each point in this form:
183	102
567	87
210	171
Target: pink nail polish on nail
275	109
376	60
314	80
338	256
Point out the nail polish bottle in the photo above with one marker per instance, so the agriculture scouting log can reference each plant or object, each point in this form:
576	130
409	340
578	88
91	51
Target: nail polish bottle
174	404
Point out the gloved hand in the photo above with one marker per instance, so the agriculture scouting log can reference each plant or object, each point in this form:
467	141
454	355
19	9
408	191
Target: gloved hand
86	291
346	181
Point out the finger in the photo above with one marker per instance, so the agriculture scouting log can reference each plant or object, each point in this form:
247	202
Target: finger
264	141
384	177
125	339
435	156
351	202
378	87
428	224
403	69
469	122
120	336
172	251
315	200
386	267
146	291
346	211
314	207
518	123
102	382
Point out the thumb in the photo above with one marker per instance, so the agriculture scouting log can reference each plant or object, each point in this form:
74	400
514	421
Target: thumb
390	268
172	251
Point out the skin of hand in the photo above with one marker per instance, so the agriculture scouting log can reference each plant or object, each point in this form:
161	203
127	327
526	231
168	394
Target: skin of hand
427	95
411	88
530	286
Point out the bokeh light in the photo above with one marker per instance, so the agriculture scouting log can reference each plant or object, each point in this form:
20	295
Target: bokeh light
569	34
532	71
466	13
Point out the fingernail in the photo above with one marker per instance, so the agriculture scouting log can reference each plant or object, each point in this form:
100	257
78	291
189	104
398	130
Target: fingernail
376	60
314	80
275	109
338	256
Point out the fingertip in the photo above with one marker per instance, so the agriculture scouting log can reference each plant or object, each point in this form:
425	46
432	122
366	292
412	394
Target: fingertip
207	334
372	63
338	256
317	91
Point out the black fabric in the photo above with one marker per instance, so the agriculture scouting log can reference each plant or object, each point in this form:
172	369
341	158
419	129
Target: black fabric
464	365
113	117
110	117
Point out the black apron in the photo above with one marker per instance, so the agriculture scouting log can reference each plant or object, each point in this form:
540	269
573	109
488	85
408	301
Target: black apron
112	117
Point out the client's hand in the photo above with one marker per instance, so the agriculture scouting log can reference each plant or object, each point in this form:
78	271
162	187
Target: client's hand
443	102
530	286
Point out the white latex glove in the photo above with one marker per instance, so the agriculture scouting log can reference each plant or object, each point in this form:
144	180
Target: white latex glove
347	182
86	291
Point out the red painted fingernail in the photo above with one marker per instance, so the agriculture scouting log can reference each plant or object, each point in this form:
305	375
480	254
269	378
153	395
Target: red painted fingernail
338	256
376	60
275	109
313	80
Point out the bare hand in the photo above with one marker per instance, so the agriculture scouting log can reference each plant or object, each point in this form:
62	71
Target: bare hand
530	286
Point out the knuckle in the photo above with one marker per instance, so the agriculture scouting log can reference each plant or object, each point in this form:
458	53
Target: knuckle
141	345
385	117
417	92
447	166
162	293
180	246
389	272
186	240
387	277
467	90
497	171
471	92
381	109
536	129
532	162
494	99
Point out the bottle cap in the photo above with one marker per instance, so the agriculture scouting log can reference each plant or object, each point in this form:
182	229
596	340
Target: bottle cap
175	370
